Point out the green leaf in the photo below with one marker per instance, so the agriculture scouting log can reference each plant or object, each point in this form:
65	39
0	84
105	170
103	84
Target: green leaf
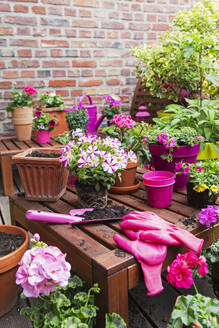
213	78
114	320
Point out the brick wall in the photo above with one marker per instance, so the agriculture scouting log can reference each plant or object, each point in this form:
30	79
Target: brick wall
76	46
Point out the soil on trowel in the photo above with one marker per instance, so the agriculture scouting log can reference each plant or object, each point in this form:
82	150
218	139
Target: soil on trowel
110	211
10	242
41	154
189	221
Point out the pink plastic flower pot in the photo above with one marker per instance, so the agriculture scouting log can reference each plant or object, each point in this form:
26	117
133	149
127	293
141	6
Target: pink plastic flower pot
159	187
187	154
42	136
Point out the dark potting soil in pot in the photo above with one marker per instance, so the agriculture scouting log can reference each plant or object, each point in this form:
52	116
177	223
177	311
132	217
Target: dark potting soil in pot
10	242
189	221
111	211
41	154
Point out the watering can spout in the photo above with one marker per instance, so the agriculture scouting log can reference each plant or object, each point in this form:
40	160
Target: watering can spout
99	121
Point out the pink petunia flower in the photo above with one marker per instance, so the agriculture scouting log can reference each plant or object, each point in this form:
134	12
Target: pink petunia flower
178	166
198	168
209	215
38	113
186	170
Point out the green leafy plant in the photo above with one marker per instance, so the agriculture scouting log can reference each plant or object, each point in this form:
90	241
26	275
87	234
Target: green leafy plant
112	106
184	63
204	119
44	121
77	118
51	100
21	99
212	256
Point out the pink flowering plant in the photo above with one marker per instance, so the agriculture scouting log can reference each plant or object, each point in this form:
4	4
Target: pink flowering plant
208	217
95	161
112	106
21	99
191	310
51	99
171	138
130	134
43	121
203	175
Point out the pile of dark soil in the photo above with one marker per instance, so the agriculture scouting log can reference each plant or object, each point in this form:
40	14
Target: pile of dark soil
41	154
111	211
189	221
10	242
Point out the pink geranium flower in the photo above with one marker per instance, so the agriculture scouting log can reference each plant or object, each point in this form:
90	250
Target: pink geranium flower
30	90
209	215
202	270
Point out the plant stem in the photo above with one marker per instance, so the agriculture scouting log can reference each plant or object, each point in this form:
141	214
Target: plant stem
196	290
201	78
213	233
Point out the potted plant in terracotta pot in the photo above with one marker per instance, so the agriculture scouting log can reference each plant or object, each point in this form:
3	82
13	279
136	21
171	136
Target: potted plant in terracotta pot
42	174
21	107
54	105
14	242
191	310
96	163
77	118
130	134
203	182
169	146
43	123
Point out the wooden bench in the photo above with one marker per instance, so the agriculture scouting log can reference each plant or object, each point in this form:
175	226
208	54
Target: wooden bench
10	146
91	250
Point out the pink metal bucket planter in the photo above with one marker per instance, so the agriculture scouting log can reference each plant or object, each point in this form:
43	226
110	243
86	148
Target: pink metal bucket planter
93	123
159	187
42	136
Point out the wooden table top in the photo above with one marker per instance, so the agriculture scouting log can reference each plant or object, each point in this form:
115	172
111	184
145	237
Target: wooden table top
10	145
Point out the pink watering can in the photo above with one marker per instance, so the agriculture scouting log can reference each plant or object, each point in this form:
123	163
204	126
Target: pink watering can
93	123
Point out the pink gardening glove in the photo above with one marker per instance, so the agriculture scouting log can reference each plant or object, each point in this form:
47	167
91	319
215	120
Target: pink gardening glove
151	258
150	227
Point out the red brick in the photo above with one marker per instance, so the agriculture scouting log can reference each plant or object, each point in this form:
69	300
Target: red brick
127	16
24	43
2	64
114	15
74	72
87	3
28	74
100	72
90	83
139	26
114	72
55	43
125	72
113	25
113	35
100	13
76	92
84	63
20	20
160	27
113	82
56	53
86	72
123	7
55	11
23	31
25	1
55	63
85	13
85	54
5	85
39	10
54	21
24	53
58	73
70	12
55	31
151	36
99	53
84	34
39	31
136	7
85	44
6	30
41	53
139	16
63	93
3	42
131	44
70	33
162	18
4	7
21	9
99	34
62	83
57	2
139	35
108	4
126	35
151	18
29	63
85	23
10	74
44	73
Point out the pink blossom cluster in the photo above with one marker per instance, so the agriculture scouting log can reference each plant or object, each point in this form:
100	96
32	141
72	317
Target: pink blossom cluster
165	141
209	215
30	90
181	269
41	269
122	120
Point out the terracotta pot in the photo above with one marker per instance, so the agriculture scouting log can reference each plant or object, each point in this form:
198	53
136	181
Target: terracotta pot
61	125
22	119
44	179
199	199
128	176
8	268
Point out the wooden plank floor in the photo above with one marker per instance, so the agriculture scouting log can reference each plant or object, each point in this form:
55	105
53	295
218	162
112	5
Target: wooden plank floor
144	311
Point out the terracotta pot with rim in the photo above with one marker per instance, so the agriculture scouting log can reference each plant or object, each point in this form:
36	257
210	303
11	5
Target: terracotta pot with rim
61	125
8	268
22	119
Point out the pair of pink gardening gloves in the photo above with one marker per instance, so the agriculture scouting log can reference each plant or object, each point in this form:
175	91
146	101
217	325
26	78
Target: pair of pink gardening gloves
149	236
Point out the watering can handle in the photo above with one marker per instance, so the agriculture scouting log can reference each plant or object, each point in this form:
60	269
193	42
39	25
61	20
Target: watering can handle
82	98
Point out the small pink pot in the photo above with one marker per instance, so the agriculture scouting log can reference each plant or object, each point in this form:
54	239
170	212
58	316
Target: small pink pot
42	136
159	187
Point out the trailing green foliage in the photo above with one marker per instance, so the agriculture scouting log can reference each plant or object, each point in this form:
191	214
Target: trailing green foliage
69	307
77	119
52	100
199	309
